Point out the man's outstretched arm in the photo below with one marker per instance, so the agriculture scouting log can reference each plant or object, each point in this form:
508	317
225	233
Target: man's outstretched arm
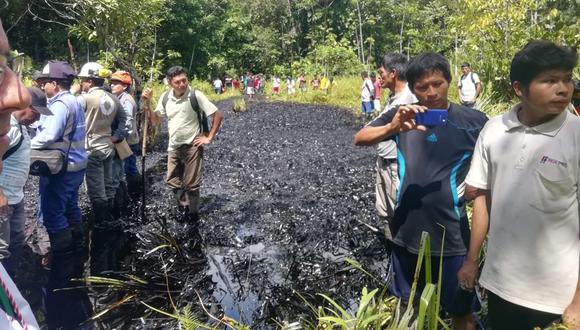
390	124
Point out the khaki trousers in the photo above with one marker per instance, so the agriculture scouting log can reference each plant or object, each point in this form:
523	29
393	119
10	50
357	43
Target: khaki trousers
386	186
184	168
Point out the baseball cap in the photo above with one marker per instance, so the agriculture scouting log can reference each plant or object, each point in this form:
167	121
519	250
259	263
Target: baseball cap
122	76
36	75
58	70
38	101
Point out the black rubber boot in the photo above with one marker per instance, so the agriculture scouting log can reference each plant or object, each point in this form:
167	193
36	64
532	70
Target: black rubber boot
120	201
134	186
12	263
193	204
79	248
68	308
192	221
181	199
101	238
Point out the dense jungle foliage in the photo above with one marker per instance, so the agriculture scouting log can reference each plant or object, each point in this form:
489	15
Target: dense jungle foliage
285	37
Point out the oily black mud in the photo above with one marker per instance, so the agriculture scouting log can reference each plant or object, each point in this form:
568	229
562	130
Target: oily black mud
286	200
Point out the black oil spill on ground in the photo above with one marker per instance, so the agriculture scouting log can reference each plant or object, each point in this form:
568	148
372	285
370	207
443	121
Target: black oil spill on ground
284	194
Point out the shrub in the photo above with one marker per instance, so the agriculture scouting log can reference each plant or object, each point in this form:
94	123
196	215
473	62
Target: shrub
239	105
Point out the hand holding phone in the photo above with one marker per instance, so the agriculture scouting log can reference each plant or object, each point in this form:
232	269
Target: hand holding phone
432	117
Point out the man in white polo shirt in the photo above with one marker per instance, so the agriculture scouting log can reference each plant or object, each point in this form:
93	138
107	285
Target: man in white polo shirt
525	177
186	110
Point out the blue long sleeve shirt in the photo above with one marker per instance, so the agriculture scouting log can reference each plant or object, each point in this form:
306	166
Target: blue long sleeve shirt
50	130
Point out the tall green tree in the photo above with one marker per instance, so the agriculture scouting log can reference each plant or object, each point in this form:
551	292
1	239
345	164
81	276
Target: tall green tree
490	32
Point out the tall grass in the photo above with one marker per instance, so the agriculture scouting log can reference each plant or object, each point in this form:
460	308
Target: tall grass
345	93
381	311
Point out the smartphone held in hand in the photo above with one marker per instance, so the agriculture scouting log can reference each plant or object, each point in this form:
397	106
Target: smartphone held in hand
432	117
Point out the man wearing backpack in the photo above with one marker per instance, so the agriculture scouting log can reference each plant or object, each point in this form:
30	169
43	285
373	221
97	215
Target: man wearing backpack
468	86
186	110
367	94
106	125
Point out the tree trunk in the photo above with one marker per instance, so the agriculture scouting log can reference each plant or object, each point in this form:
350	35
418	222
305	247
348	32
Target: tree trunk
357	45
360	34
73	59
292	32
191	59
401	34
153	57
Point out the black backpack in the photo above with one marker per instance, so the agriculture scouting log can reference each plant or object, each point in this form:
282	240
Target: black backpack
472	80
201	116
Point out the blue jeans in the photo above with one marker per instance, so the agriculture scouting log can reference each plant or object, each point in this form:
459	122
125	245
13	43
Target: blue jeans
118	172
131	161
367	107
59	200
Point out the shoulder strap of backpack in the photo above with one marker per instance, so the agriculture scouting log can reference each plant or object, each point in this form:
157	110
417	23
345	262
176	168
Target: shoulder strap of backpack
16	146
165	98
471	75
193	100
201	116
369	89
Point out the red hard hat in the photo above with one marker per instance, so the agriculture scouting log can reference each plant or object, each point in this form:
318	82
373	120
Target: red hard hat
122	76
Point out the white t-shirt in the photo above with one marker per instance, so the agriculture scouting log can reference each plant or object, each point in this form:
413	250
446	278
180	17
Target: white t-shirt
217	83
388	149
366	90
467	88
276	82
532	173
182	120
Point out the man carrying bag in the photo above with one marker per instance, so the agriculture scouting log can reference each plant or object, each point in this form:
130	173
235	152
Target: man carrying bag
60	139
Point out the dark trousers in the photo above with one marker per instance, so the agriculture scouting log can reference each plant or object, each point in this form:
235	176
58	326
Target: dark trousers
504	315
454	300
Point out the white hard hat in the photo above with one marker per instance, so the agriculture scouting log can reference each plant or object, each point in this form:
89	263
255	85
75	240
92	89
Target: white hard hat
92	70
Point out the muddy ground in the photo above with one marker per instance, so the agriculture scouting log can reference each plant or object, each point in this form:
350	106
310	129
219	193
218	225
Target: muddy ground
284	194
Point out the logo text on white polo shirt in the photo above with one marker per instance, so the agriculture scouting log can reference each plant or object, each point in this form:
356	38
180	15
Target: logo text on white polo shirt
552	161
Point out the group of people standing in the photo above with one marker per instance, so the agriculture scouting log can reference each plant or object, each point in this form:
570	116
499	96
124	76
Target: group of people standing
468	88
252	84
67	134
521	169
